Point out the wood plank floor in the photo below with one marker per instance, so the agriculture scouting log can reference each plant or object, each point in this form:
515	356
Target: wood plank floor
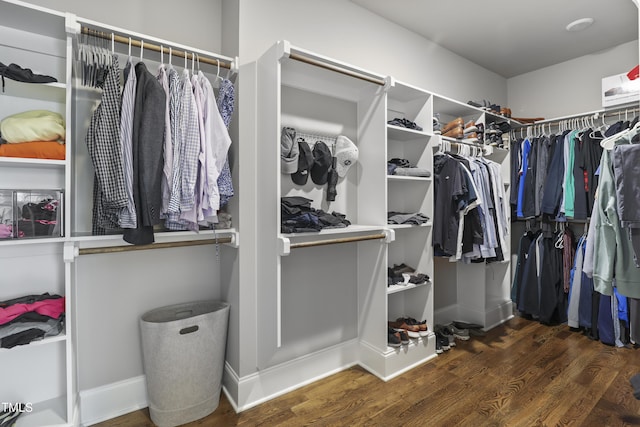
519	374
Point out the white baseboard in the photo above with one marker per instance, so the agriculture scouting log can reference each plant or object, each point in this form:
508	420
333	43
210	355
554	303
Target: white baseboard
264	385
112	400
119	398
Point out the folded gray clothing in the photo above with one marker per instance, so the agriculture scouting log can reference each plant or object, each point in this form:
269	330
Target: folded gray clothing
50	327
406	218
412	172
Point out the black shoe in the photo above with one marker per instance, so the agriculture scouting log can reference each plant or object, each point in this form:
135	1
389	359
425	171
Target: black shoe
393	338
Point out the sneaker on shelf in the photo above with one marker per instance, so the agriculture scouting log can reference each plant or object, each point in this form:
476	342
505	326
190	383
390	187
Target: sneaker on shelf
470	127
436	126
457	122
471	137
411	330
455	132
423	329
393	338
404	337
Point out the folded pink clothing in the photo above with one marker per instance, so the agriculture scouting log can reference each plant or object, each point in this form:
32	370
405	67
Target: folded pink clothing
5	231
49	307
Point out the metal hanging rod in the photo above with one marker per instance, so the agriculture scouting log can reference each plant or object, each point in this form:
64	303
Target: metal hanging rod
162	245
339	240
335	68
149	46
595	114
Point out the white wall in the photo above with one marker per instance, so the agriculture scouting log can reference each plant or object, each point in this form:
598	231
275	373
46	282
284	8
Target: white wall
343	30
570	87
198	26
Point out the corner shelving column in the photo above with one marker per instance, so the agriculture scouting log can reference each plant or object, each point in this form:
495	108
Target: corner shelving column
412	243
42	373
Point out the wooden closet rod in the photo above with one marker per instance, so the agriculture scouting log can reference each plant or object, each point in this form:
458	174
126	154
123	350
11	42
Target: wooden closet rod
155	48
339	240
335	68
162	245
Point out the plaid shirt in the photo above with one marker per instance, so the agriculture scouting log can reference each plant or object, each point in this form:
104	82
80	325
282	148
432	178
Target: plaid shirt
226	99
105	150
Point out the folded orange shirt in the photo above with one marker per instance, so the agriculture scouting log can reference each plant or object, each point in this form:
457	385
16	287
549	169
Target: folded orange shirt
34	150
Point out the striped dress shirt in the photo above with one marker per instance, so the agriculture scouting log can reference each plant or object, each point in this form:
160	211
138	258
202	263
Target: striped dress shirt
167	170
128	216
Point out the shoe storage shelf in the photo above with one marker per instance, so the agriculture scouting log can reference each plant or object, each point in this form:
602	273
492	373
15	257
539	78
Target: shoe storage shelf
323	302
41	373
412	245
477	292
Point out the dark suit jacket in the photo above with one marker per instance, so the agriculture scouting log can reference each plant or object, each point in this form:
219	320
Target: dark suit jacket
148	140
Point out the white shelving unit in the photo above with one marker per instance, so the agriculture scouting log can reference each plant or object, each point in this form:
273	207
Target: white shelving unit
41	373
412	244
333	298
316	291
477	292
45	373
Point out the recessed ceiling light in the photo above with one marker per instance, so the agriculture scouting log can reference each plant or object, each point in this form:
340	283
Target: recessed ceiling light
580	24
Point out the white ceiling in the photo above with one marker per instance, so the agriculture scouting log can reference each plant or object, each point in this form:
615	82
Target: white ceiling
512	37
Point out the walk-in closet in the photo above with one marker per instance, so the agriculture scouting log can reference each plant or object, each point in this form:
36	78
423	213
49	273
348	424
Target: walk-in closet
371	198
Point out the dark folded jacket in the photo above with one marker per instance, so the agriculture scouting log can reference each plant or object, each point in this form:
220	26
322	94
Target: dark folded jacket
25	75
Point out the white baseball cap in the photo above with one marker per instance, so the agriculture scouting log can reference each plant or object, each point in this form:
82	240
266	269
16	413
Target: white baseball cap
346	154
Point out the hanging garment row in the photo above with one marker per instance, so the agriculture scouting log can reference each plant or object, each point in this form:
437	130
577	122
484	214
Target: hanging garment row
599	294
159	148
471	217
569	157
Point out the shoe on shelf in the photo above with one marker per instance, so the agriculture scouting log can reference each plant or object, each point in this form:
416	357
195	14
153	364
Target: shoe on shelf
461	334
471	137
403	268
404	337
393	338
457	122
470	126
456	132
423	329
411	330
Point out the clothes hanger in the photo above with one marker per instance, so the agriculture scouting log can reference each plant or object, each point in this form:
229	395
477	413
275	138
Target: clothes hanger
609	143
141	49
